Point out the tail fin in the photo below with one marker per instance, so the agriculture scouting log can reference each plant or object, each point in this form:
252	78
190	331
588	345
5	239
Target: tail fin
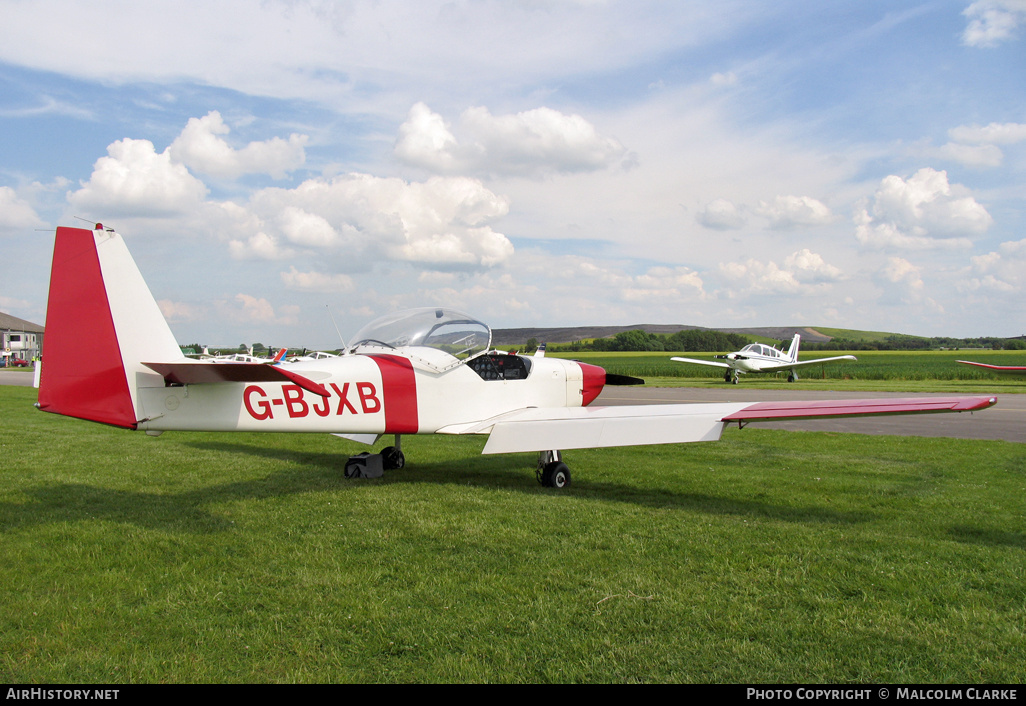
792	350
101	323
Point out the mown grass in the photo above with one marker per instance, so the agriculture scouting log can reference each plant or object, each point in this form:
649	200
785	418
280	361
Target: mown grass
768	557
938	367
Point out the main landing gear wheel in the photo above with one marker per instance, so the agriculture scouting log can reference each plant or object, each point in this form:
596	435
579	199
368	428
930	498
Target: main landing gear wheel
392	458
555	475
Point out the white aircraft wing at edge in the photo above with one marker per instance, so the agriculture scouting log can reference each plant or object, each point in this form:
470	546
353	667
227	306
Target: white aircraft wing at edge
538	429
701	362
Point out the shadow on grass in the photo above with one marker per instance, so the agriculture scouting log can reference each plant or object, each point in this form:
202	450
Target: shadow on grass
988	537
316	471
516	473
186	511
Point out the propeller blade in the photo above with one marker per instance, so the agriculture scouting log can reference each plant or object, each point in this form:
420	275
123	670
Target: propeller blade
612	379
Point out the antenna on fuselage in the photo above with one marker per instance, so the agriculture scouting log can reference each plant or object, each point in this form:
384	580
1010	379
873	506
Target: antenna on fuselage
345	348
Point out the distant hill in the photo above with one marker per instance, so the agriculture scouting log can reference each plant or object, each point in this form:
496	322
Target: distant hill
569	334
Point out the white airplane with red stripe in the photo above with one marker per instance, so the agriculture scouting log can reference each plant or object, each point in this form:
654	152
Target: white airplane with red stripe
759	358
425	371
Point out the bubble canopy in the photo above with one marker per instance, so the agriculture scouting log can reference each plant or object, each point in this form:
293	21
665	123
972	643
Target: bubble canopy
446	330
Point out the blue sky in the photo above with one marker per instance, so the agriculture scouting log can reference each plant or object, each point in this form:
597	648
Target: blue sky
535	163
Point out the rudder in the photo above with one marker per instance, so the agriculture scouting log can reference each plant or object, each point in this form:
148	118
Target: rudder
101	323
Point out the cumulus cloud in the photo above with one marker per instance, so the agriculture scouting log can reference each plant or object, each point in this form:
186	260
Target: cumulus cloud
317	281
177	312
249	309
901	282
799	271
760	277
533	143
201	147
15	213
135	180
923	212
665	284
444	221
1002	271
802	271
977	146
721	214
992	22
809	267
259	246
786	212
995	133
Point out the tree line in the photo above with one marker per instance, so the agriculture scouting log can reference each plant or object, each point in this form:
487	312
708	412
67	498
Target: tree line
638	340
699	340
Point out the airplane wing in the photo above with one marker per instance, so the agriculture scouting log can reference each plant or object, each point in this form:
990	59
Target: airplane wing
1002	369
538	429
701	362
800	363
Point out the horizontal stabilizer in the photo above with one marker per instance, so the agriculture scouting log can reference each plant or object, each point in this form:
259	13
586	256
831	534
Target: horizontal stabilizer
200	373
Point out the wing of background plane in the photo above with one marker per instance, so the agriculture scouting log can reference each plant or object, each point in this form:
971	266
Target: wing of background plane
713	363
540	429
799	363
1001	369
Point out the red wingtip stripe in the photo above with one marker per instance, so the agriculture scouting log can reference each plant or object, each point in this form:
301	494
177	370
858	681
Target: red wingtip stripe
768	411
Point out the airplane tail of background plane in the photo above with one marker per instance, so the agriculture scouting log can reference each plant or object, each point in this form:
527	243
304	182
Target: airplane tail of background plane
792	350
101	324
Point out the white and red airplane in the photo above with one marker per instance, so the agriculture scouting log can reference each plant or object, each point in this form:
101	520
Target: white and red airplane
427	371
760	358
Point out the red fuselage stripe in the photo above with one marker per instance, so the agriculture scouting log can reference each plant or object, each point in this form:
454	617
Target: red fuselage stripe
399	384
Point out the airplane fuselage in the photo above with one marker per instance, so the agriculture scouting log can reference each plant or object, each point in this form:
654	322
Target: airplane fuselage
752	363
386	393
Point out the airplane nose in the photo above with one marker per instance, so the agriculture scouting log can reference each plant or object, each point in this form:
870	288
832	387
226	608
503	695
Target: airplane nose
594	381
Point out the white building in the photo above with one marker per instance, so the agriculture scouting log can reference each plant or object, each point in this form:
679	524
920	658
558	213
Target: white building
20	339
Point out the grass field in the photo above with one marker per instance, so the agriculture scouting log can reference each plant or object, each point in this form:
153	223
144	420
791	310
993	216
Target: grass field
768	557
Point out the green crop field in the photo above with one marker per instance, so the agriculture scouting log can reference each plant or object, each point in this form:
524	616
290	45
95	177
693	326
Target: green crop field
771	556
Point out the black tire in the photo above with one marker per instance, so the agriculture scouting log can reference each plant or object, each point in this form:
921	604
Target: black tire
556	475
393	458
